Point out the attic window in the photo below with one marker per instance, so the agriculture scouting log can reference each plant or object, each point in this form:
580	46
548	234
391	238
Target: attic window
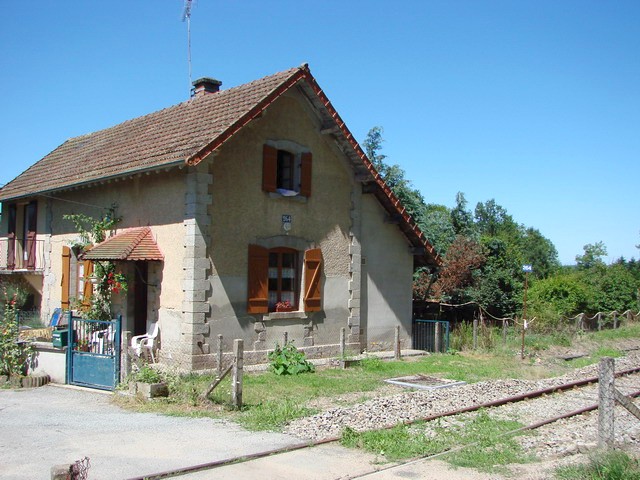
286	169
287	175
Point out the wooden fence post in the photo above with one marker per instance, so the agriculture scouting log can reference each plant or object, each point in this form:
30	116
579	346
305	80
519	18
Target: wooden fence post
219	354
504	332
396	343
475	333
285	338
615	319
438	337
599	320
342	342
606	403
236	377
124	355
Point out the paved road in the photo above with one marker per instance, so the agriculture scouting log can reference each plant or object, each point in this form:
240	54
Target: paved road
42	427
52	425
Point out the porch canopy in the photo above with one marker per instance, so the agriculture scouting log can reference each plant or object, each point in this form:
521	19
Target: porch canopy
132	244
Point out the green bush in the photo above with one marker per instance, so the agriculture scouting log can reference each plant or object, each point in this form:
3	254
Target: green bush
13	355
146	374
288	360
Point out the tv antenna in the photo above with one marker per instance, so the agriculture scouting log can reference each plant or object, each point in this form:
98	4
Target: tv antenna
186	16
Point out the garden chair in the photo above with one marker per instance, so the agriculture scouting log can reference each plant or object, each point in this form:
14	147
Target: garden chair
146	342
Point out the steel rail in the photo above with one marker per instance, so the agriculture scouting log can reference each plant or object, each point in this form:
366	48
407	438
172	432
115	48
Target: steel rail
315	443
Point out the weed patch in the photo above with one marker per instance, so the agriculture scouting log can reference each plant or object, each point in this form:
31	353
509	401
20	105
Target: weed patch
612	466
488	446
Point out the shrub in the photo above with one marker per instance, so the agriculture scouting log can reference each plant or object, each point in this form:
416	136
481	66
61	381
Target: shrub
146	374
288	360
13	355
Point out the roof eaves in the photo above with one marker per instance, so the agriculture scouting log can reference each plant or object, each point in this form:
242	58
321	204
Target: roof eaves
92	181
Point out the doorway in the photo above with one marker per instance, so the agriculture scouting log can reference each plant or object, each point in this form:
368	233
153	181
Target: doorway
140	297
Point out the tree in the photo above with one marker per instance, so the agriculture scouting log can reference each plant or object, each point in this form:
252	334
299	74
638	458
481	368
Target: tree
463	257
592	256
539	252
461	218
436	225
372	145
394	176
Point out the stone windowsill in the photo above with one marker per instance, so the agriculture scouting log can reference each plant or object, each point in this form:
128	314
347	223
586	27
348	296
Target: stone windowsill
284	316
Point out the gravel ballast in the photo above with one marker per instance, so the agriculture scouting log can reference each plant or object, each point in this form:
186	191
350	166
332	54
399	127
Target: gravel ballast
564	437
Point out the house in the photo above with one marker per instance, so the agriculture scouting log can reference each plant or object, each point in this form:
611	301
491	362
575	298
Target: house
230	203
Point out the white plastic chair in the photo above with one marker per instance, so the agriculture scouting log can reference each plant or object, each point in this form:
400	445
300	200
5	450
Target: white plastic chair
146	342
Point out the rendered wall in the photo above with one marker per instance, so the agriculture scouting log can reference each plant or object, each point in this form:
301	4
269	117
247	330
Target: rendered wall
387	273
156	200
242	214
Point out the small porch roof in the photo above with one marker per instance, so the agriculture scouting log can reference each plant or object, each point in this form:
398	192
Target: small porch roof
132	244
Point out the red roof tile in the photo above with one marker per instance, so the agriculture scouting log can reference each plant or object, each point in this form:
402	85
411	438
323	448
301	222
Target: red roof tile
132	244
186	133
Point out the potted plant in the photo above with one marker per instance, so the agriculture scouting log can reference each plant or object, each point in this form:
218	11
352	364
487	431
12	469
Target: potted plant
149	383
284	306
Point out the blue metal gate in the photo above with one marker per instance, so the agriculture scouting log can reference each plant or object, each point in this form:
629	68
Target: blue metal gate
93	354
431	335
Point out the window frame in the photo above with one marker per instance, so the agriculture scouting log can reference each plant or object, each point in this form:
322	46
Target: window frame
297	182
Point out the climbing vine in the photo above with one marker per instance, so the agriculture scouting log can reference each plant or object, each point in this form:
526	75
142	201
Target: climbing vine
107	280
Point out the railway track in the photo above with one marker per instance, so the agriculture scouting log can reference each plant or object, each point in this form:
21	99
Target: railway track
583	391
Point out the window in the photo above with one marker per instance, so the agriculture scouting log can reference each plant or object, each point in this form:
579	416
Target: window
283	277
286	170
274	276
22	251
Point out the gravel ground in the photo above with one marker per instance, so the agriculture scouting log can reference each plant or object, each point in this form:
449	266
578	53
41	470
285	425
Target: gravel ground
565	437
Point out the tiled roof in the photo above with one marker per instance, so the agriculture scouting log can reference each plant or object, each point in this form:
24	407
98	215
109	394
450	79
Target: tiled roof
186	133
170	136
131	244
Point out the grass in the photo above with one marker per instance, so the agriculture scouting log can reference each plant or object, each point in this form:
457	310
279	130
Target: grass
489	446
610	466
271	401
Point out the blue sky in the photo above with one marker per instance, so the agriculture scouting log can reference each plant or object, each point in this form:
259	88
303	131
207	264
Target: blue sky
533	103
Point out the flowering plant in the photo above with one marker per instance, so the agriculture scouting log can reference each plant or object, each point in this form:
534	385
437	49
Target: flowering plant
116	282
284	306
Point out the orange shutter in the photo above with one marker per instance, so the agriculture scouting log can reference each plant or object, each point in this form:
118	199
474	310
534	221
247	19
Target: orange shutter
258	288
312	280
305	174
88	286
66	272
269	168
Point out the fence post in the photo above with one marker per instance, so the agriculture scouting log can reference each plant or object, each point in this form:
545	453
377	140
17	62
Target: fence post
236	378
219	370
579	322
396	343
124	355
285	338
342	342
438	338
475	333
504	332
606	403
599	314
615	319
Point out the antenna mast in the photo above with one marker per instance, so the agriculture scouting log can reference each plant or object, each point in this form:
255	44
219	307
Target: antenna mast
186	15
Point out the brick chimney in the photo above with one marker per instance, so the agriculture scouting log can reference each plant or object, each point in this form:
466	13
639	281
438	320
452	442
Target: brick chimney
205	85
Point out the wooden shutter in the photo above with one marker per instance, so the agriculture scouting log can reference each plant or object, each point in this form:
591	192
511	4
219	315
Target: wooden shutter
269	168
88	286
31	219
312	280
11	242
305	174
66	272
258	287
